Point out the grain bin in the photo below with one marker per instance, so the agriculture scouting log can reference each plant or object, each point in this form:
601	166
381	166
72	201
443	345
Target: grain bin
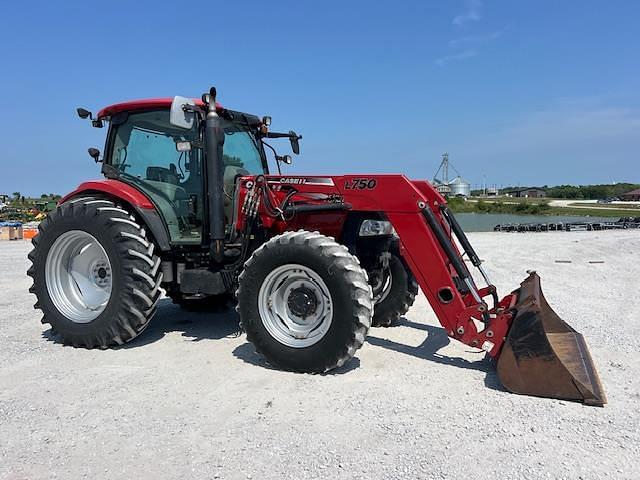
460	187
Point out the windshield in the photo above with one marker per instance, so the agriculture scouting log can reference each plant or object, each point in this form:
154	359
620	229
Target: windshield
240	150
144	152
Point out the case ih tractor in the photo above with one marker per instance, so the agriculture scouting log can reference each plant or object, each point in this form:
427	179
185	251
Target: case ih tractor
188	205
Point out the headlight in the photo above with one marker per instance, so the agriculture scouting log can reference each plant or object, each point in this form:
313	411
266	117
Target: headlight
372	228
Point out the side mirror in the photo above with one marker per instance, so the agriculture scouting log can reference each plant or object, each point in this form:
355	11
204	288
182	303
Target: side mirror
84	113
179	116
95	154
293	138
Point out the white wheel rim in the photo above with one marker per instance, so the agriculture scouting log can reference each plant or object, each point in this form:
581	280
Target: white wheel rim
285	292
78	276
386	288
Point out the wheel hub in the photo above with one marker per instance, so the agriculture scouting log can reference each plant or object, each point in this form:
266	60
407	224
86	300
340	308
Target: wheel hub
295	305
302	302
78	276
101	274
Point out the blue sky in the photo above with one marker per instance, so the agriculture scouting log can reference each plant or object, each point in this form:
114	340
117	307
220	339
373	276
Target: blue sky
518	92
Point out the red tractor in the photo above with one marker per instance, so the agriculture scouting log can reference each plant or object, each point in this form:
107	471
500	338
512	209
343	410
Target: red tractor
188	205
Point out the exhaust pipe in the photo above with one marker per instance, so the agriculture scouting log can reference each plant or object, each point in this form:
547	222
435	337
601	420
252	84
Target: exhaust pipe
214	138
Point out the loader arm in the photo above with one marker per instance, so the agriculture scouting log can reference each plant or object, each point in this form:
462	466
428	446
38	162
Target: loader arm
417	213
426	229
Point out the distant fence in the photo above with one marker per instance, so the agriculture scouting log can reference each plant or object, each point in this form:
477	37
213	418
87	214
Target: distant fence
620	224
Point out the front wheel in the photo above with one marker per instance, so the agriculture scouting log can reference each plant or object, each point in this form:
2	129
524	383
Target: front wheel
94	273
304	302
395	294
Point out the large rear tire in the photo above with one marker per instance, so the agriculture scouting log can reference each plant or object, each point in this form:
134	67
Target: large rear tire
304	302
94	273
397	294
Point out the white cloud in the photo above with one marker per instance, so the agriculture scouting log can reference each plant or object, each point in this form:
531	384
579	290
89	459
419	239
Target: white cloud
472	13
570	141
456	56
568	124
475	39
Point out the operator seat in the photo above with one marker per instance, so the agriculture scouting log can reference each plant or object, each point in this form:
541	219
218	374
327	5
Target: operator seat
166	181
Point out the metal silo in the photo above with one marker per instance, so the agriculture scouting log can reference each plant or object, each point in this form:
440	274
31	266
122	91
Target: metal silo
460	187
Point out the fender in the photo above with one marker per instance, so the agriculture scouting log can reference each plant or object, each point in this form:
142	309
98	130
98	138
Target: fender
143	206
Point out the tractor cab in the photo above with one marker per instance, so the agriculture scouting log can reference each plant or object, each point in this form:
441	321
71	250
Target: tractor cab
167	162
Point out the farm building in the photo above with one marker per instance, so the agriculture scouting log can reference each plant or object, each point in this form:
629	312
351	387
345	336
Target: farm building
632	196
529	192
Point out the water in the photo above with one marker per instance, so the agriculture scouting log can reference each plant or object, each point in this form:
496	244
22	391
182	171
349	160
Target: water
484	222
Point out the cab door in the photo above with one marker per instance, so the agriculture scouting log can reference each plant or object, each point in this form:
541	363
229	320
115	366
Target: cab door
144	153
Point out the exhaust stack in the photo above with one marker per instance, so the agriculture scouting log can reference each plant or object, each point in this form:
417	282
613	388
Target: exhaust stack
214	136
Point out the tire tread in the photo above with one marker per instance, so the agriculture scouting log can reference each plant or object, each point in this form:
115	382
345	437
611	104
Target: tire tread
140	271
343	262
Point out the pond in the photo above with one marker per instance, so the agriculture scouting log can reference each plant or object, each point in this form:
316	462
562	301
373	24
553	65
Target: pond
484	222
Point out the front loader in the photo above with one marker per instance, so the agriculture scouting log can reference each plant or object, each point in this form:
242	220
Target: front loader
189	206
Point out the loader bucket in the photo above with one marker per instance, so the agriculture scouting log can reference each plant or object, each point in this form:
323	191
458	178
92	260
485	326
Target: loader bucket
543	356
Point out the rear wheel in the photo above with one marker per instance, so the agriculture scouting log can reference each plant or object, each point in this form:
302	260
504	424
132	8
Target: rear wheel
304	302
395	294
94	273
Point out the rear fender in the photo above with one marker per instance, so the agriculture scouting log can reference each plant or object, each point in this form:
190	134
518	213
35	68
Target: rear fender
136	200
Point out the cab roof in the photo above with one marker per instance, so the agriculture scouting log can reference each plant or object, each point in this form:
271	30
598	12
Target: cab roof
165	103
134	105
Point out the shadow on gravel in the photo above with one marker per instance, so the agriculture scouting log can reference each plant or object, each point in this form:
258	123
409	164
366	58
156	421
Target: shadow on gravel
214	324
222	322
428	350
247	353
210	325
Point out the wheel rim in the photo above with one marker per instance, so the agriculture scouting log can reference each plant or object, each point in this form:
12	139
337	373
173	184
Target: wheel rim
295	306
383	291
78	276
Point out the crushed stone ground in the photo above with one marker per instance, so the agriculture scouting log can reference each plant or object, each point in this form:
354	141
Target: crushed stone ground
189	399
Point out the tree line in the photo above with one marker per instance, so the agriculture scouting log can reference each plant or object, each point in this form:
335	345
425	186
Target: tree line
579	192
590	192
17	199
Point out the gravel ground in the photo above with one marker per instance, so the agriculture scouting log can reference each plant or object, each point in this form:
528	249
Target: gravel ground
190	399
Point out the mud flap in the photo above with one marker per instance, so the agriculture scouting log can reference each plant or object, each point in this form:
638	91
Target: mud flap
543	356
